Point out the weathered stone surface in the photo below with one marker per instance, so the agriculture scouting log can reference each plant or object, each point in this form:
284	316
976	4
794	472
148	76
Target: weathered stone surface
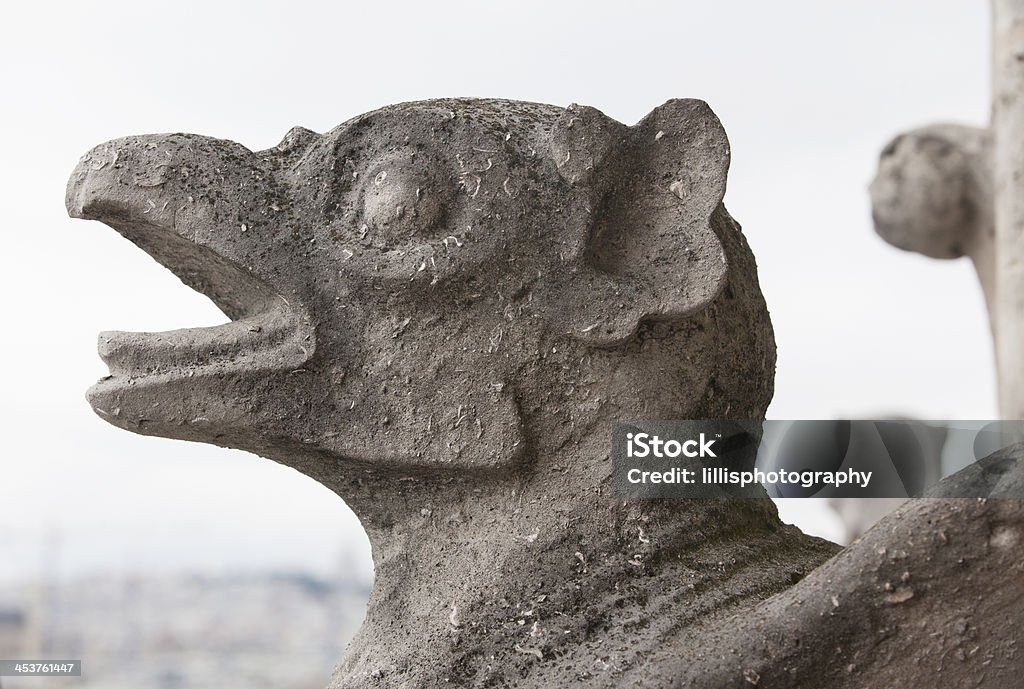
438	310
933	194
1007	129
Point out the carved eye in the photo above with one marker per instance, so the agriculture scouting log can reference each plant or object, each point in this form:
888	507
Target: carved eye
401	203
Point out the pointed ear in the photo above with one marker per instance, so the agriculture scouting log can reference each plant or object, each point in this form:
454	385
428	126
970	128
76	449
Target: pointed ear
648	250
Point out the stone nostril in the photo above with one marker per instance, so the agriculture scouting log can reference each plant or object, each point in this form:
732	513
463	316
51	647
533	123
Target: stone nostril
152	176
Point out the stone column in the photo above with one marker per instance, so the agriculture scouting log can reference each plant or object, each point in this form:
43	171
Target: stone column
1008	165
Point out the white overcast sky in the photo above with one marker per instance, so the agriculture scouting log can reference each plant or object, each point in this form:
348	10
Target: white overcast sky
809	92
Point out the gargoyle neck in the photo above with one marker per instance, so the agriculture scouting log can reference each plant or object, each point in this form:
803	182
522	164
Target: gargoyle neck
525	567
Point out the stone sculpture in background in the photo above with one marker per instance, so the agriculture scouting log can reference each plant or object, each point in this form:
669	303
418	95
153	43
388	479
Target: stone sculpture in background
861	513
933	195
948	191
438	310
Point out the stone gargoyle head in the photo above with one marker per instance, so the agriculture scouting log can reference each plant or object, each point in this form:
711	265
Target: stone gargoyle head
424	284
437	310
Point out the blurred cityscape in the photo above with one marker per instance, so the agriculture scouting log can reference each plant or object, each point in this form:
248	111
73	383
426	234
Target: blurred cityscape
184	631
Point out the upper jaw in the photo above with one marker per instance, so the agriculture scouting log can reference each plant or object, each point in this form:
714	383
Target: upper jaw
148	189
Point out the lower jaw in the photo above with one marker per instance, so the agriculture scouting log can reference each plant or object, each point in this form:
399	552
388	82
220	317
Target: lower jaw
171	400
199	398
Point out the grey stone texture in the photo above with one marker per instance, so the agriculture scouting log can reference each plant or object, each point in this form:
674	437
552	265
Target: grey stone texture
438	310
933	195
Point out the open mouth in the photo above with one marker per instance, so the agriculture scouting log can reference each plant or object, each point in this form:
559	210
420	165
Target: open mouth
172	196
265	331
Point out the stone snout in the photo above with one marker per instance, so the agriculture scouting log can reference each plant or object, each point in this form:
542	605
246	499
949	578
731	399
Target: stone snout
189	202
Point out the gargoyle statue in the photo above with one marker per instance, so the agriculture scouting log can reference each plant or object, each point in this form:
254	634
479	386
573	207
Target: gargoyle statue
437	310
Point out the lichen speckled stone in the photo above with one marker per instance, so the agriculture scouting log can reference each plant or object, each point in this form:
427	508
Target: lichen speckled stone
438	309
